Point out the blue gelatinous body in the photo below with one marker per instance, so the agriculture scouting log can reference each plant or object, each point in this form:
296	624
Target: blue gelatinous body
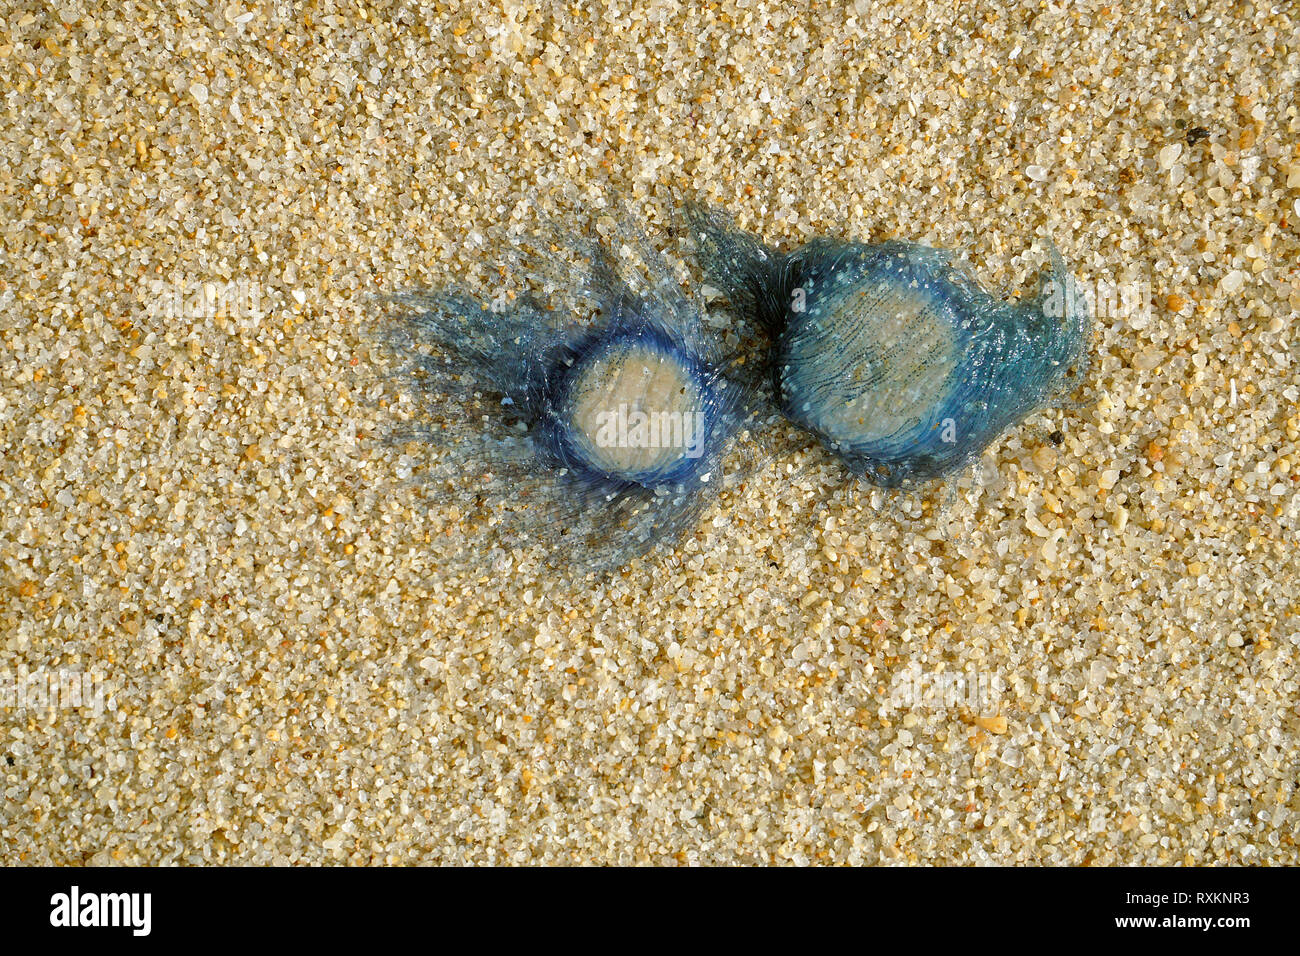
608	416
901	364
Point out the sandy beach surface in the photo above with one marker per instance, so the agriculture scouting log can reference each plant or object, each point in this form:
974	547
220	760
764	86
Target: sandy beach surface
264	643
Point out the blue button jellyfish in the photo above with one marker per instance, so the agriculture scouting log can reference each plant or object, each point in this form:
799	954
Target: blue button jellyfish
601	424
902	365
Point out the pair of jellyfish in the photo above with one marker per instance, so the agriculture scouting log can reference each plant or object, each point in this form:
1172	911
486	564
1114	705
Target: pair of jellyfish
612	414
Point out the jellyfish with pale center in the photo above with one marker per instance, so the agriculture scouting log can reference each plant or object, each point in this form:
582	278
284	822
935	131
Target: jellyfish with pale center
895	359
597	427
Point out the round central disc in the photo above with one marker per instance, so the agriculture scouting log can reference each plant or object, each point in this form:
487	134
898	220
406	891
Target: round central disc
869	359
635	410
